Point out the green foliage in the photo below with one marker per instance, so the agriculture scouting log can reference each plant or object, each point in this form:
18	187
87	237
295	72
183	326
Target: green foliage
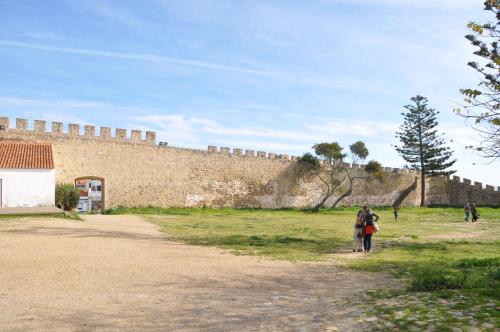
375	168
421	146
329	151
310	160
437	279
476	262
482	105
462	274
358	151
67	196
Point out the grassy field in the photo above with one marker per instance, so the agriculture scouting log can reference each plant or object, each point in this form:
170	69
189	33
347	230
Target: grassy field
65	215
450	269
302	236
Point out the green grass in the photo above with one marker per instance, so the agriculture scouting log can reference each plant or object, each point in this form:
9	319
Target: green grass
65	215
303	236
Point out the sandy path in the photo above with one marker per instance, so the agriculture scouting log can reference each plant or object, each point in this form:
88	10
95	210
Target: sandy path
120	272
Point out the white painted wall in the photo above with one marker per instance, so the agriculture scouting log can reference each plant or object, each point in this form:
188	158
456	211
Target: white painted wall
27	187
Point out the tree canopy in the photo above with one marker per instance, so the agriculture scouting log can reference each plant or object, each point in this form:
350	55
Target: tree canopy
421	146
331	152
358	151
482	103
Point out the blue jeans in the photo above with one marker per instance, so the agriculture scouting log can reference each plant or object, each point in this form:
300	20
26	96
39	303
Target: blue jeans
367	242
467	213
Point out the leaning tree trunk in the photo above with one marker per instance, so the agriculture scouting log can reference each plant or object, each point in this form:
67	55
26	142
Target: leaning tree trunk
344	195
322	203
347	193
403	194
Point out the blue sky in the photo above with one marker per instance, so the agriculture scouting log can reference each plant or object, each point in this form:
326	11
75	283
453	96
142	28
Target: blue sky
276	76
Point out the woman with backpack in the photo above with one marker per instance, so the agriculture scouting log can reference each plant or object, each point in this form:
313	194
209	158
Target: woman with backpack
369	219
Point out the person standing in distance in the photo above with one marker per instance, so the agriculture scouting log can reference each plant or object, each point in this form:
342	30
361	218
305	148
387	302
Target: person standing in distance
467	211
475	214
395	213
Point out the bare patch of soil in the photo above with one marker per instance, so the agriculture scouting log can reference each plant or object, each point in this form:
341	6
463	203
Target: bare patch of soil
120	272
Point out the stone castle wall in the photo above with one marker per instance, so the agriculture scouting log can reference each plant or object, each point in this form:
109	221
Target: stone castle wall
456	192
138	172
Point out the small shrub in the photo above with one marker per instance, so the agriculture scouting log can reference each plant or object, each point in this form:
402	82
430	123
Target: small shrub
67	196
287	239
111	211
469	273
438	280
477	262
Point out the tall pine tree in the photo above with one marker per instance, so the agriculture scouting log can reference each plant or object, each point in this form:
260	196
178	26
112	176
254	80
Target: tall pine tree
421	145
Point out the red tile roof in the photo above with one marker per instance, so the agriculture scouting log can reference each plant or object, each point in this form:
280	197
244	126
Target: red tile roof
29	155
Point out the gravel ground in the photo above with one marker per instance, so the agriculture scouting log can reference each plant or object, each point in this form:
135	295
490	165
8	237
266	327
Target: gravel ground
121	273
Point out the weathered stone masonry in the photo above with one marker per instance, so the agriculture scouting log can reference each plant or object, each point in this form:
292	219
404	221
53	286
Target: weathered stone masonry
137	172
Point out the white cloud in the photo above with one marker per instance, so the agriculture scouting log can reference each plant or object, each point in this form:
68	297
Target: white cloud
168	126
252	132
353	127
138	57
189	129
204	131
179	123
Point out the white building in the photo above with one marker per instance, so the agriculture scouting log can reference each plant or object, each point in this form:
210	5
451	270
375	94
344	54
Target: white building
27	177
90	194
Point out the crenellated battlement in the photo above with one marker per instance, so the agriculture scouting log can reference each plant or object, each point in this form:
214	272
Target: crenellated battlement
477	186
75	131
89	132
271	155
249	153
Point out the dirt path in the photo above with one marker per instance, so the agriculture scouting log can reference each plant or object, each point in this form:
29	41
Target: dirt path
120	272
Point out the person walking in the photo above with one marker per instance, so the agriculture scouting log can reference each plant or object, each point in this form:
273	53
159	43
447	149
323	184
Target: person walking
395	211
369	219
467	211
475	214
358	233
